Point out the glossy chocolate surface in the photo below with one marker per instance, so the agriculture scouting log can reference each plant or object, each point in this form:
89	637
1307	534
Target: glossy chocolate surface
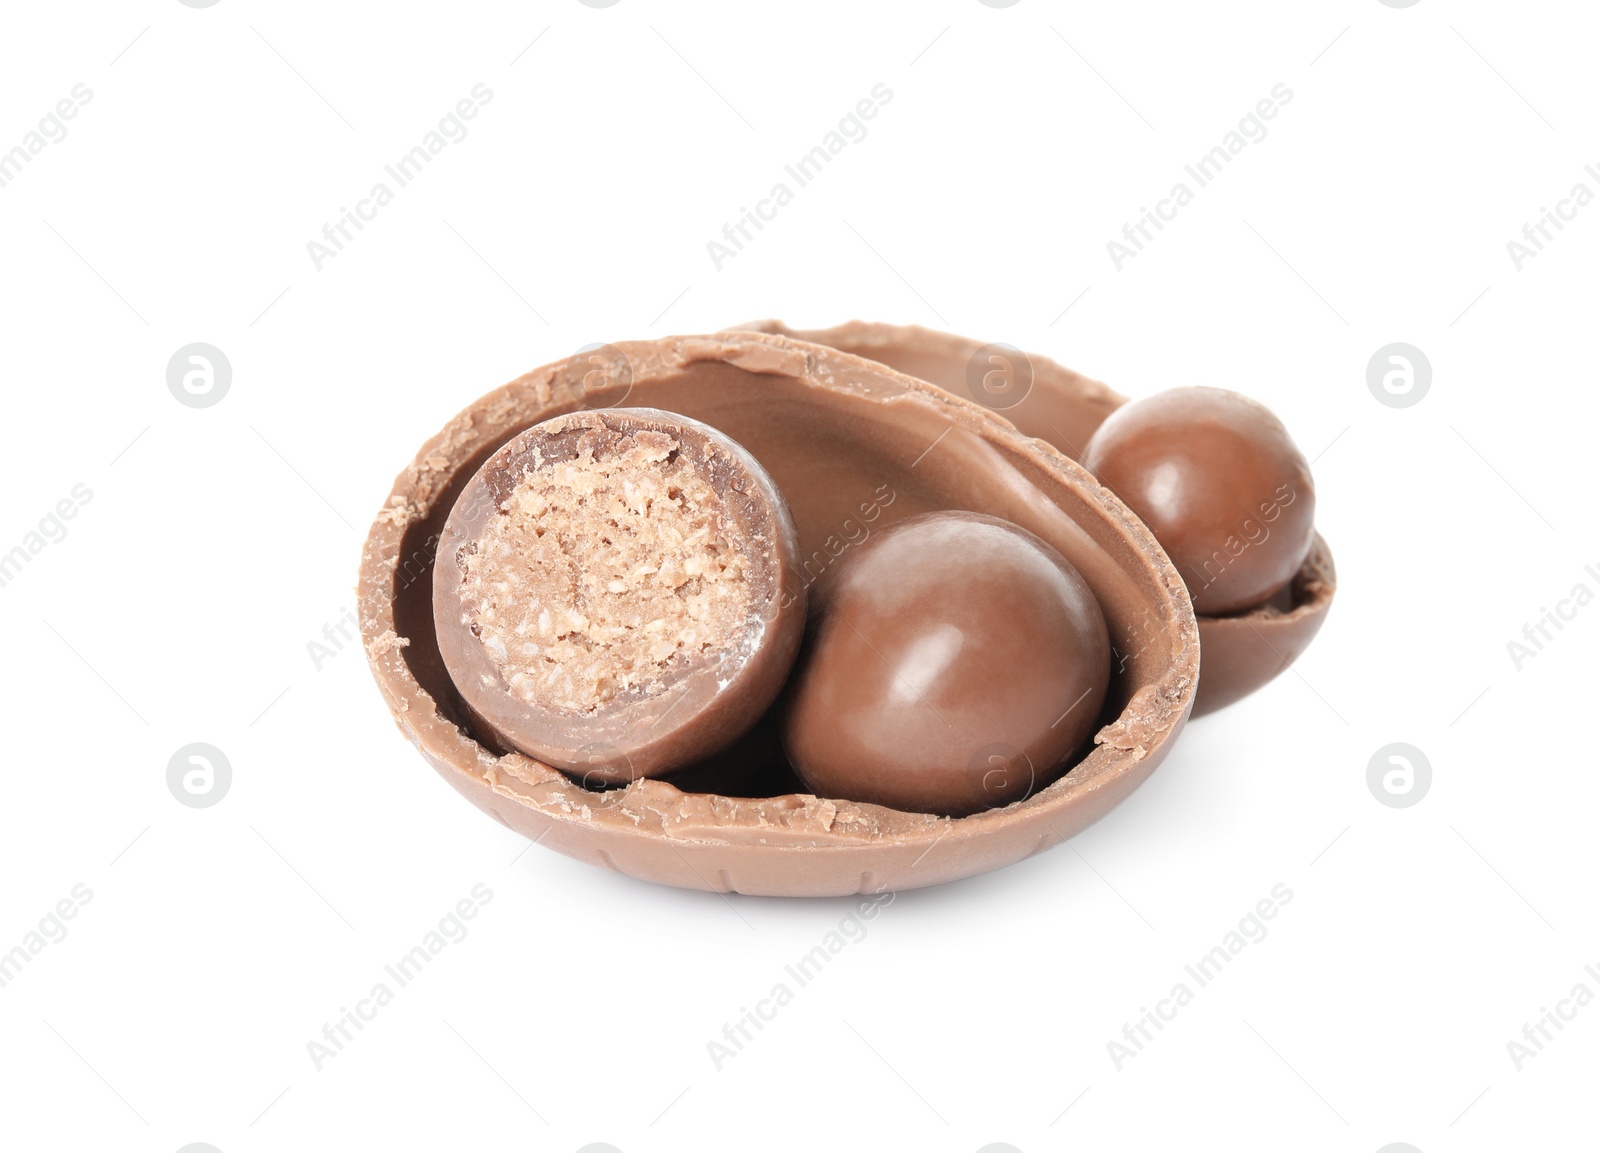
1219	481
954	666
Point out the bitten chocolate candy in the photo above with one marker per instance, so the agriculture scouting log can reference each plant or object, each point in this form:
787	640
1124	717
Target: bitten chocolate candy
617	593
953	666
1218	480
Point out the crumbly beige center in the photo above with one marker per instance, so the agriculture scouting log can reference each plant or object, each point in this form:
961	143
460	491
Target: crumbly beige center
603	573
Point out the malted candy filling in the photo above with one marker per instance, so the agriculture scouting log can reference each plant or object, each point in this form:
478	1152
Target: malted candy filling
604	573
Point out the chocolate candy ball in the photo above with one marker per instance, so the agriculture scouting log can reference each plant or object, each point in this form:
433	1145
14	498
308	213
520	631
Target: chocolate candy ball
954	665
618	593
1217	479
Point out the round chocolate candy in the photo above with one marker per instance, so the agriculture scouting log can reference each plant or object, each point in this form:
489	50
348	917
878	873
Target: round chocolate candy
1216	477
954	665
617	593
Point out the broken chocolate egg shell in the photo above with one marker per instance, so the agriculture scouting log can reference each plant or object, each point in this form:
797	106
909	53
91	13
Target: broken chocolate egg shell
1242	652
854	446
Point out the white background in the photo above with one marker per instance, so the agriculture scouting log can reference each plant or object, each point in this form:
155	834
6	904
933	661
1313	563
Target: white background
220	541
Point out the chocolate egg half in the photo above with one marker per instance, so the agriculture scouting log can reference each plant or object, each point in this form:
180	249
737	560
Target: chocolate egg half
855	447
